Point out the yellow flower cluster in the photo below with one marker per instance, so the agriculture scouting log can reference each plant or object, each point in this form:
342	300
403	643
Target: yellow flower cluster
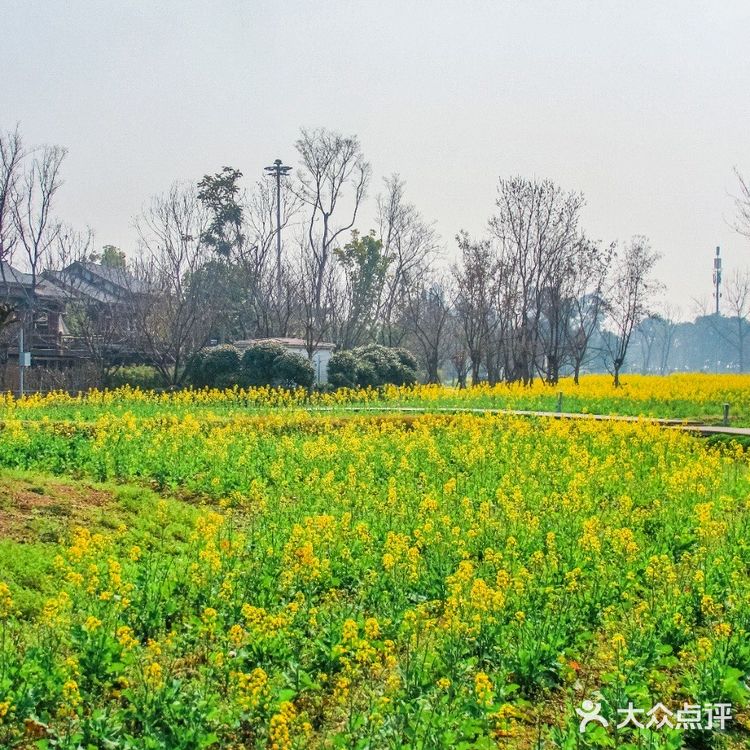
6	601
279	728
251	689
483	690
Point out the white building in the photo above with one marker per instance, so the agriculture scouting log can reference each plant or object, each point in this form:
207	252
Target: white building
320	358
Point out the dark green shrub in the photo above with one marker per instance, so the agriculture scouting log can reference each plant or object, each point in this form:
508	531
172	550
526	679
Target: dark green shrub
216	367
270	363
407	371
343	369
367	375
290	370
136	376
372	365
379	360
257	366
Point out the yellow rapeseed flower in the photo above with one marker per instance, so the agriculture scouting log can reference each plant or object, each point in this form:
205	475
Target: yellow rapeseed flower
483	690
6	601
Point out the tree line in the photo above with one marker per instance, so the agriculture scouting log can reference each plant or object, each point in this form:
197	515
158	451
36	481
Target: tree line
534	297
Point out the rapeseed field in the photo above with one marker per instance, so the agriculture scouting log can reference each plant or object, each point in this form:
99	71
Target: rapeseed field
375	581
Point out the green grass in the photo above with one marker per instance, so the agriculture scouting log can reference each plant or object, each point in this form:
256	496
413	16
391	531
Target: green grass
31	536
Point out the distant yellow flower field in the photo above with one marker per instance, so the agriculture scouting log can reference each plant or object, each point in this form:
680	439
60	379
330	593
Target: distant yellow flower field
689	396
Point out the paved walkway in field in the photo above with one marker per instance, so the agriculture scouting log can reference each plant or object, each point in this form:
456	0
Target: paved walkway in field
680	424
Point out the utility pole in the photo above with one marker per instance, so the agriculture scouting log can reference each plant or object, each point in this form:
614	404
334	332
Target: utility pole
24	361
717	278
278	170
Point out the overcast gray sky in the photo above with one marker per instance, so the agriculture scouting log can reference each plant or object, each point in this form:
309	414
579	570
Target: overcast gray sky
642	105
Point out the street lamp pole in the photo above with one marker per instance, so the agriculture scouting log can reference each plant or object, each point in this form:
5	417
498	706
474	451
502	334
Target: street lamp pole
278	170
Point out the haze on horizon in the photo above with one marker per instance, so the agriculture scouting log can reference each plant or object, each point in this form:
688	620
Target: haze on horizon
643	108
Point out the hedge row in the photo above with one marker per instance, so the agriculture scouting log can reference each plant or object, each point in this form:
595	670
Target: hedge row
372	365
271	364
263	364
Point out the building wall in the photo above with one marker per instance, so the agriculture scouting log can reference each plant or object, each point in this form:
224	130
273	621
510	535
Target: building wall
320	360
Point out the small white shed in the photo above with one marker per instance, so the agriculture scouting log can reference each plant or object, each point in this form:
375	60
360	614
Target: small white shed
320	358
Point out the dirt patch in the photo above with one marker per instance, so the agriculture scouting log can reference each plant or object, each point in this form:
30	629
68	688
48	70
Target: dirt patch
32	510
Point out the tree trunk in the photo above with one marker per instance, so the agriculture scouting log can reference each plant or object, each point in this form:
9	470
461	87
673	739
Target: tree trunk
553	371
475	364
433	377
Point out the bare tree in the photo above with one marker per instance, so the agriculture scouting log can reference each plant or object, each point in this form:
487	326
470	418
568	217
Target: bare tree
475	295
11	161
30	231
409	245
570	305
459	358
333	171
275	289
655	337
737	301
36	228
536	225
647	334
668	332
628	298
319	300
742	204
586	302
172	314
427	316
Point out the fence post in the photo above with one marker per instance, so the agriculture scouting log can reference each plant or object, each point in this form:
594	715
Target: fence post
559	402
726	415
